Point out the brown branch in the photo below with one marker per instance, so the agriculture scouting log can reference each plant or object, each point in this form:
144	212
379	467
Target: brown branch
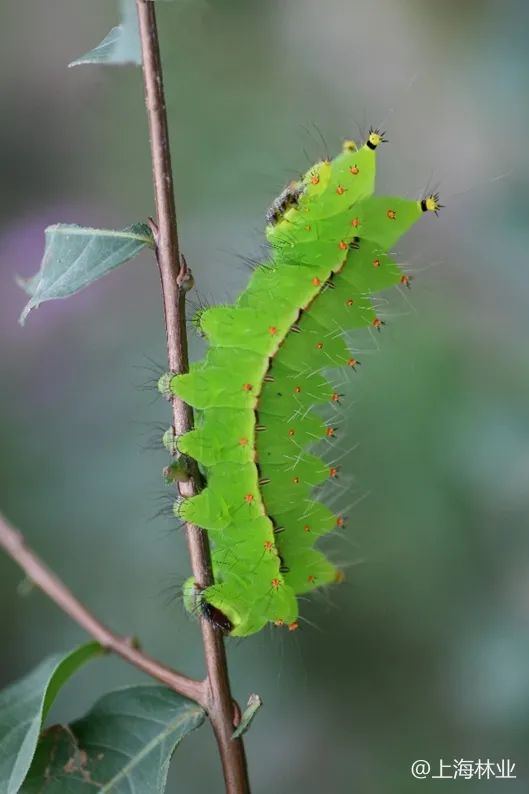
12	541
174	278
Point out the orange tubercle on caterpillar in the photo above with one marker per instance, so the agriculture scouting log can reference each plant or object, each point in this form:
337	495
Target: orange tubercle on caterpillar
272	330
291	432
354	170
391	214
306	528
355	223
406	281
316	282
330	432
349	302
276	583
315	179
295	480
319	345
268	545
340	190
339	576
243	441
249	498
343	246
335	397
340	521
297	389
333	471
376	262
293	626
247	387
377	323
311	579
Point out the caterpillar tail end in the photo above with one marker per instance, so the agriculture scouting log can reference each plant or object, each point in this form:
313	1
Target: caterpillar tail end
197	604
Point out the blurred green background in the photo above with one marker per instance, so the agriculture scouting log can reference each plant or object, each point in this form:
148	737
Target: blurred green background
424	651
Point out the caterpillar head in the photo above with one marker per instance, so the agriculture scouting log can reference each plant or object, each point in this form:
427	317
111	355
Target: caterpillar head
431	203
375	138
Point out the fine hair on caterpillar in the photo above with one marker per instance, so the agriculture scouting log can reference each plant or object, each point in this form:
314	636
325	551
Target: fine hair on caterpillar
259	392
153	435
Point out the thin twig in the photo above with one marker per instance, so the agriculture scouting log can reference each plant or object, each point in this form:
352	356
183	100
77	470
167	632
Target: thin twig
173	272
12	541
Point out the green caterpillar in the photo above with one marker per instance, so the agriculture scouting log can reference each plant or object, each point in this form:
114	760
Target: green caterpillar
255	391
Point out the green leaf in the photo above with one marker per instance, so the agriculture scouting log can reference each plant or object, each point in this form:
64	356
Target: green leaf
23	708
123	745
74	257
254	704
121	45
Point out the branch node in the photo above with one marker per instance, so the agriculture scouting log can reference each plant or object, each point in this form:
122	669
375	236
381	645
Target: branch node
185	278
153	226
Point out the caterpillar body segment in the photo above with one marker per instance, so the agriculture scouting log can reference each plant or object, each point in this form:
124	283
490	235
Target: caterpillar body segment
263	375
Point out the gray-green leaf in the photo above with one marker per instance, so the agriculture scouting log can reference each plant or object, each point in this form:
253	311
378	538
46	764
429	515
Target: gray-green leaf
123	745
254	704
121	45
23	708
75	257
